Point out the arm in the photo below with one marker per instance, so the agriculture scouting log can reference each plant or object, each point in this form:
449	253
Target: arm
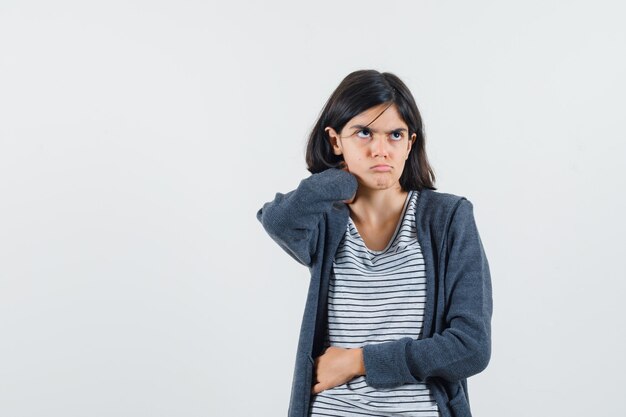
464	347
292	219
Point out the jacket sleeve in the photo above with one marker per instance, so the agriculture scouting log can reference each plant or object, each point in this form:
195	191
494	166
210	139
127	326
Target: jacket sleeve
463	349
292	219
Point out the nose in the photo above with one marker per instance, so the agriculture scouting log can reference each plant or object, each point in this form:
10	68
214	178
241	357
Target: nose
379	147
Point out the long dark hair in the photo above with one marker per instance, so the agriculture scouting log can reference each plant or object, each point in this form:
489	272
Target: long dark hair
357	92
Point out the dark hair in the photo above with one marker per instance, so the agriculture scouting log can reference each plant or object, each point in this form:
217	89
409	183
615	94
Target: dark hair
358	92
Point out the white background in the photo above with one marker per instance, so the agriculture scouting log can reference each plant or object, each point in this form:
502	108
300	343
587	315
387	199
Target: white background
138	140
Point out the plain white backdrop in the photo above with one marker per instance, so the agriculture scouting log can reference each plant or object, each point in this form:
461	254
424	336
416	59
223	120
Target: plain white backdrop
138	140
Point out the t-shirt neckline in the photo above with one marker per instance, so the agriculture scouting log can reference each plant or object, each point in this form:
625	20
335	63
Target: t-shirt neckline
395	233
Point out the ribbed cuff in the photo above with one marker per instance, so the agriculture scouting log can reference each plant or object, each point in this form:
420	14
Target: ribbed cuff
385	364
340	184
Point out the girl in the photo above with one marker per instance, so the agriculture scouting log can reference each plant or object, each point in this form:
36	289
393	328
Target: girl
398	313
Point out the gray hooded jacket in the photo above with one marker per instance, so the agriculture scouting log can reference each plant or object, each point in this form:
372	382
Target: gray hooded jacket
309	222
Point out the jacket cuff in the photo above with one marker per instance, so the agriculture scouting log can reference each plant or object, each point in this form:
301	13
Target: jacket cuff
343	185
385	364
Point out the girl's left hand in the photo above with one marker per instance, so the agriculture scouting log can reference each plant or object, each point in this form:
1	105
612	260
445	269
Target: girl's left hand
334	367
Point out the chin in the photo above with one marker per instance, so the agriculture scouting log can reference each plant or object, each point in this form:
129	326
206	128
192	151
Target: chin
377	182
383	183
380	184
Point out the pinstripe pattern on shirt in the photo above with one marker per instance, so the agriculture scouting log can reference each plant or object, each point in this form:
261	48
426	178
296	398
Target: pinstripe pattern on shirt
376	296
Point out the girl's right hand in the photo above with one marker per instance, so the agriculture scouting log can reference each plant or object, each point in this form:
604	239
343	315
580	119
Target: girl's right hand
344	167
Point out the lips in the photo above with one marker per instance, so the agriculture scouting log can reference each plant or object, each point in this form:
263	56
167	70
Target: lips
381	168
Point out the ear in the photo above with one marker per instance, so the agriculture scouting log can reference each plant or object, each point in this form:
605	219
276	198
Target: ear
411	142
333	137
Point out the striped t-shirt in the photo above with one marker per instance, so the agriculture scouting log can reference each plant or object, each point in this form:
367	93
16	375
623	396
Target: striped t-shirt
373	297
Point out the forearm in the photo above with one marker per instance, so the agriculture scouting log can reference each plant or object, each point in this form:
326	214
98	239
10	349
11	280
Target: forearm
292	219
314	195
408	360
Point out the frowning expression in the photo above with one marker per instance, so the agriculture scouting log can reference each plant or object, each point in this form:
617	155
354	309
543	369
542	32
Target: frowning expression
375	145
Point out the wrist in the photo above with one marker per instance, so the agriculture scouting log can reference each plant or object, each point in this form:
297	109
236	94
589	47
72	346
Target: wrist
359	364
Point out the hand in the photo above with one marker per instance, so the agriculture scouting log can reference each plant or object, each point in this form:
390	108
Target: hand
344	167
336	366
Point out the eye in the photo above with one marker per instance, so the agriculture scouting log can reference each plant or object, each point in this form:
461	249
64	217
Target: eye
396	135
366	131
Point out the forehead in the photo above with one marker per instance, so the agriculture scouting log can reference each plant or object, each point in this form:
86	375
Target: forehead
382	115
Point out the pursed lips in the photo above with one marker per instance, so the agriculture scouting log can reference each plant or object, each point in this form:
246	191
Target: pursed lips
381	167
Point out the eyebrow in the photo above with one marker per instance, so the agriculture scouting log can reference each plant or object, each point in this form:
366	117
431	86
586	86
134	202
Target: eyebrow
400	129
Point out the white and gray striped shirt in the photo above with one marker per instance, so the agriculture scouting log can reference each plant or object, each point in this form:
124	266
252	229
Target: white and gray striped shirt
374	297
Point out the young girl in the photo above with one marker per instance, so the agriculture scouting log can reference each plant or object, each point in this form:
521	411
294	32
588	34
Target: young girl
398	313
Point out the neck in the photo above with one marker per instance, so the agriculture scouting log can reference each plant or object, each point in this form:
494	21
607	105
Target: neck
377	207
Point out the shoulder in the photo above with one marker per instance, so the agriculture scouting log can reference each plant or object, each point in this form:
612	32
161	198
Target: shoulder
438	211
433	201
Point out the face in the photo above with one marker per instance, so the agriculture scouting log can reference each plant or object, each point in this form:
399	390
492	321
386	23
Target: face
375	145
